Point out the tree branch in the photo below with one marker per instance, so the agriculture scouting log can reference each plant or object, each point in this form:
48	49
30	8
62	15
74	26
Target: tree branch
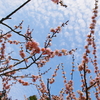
48	89
8	16
86	87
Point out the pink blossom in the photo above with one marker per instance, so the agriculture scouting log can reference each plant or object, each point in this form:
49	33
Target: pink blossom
34	78
60	54
64	51
32	45
52	30
10	66
25	83
20	81
56	52
22	54
46	51
7	87
55	1
80	67
42	49
52	80
9	35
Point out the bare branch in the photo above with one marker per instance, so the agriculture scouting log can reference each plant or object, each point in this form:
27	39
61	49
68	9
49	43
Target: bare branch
8	16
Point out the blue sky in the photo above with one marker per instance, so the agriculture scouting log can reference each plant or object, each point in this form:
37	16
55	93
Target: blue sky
42	15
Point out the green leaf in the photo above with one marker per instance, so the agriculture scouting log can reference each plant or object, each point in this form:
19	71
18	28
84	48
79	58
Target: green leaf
33	97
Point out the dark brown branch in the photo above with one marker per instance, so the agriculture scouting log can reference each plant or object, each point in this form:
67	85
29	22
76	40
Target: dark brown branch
22	67
86	87
8	16
16	64
48	89
72	67
11	28
91	85
15	59
17	69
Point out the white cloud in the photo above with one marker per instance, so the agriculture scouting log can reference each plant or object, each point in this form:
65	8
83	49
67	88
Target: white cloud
66	34
78	39
82	23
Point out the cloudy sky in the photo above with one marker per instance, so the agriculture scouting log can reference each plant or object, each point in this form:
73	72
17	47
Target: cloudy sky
42	15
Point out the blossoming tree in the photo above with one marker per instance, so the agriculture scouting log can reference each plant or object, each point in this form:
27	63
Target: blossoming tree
31	53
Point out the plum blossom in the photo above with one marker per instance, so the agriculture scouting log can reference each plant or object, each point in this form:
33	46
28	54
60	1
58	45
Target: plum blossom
55	1
22	54
32	45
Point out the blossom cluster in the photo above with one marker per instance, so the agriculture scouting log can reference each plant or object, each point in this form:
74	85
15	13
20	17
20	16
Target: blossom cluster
23	82
50	54
57	30
84	67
